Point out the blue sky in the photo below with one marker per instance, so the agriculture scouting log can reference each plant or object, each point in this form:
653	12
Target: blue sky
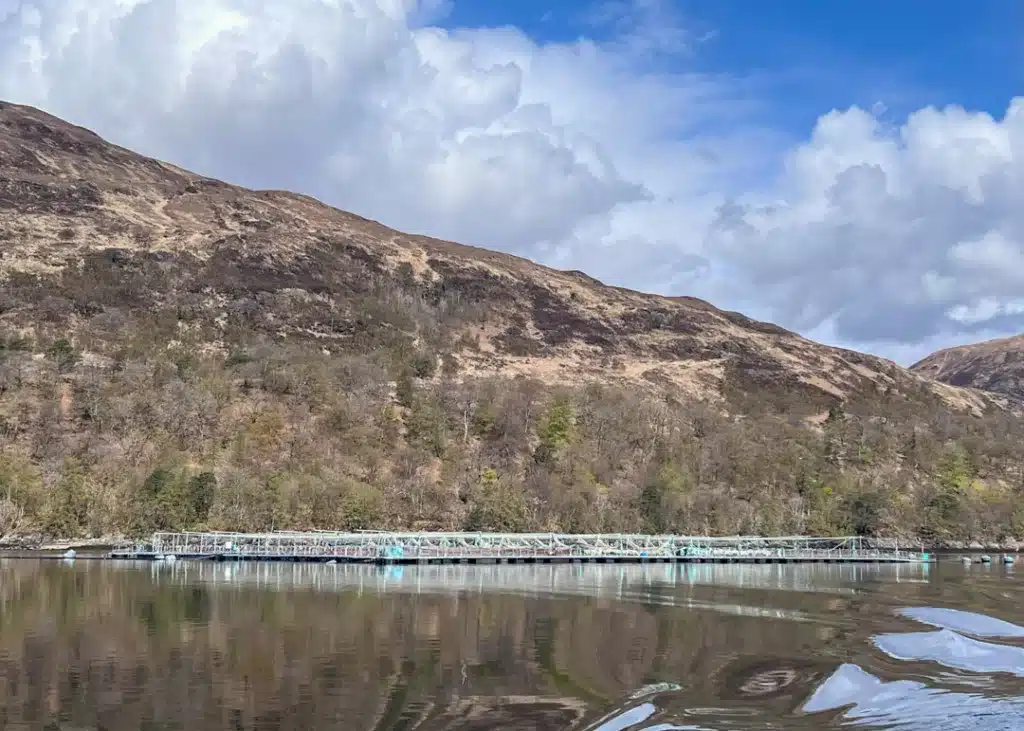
815	55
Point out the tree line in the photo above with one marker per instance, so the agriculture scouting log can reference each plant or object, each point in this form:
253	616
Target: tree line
276	436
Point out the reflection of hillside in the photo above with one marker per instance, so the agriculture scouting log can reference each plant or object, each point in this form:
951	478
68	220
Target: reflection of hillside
478	713
96	642
743	695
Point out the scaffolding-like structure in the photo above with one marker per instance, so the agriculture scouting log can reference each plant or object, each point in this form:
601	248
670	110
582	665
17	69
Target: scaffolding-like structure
438	547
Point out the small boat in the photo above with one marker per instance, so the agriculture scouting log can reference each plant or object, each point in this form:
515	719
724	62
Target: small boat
70	553
986	559
1007	559
170	557
966	560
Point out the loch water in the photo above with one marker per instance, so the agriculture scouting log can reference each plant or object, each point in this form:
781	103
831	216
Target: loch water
89	644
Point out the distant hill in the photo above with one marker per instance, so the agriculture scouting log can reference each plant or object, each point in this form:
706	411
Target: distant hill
175	350
993	365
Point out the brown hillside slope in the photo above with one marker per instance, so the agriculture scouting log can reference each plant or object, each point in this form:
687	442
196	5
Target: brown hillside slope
92	233
180	352
993	365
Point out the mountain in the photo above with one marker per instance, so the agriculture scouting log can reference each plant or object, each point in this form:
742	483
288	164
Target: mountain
176	350
994	365
92	231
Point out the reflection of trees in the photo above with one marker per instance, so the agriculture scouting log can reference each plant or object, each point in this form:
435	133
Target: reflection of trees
102	645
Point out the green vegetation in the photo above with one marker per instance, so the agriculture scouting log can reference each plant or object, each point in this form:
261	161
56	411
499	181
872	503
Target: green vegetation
277	436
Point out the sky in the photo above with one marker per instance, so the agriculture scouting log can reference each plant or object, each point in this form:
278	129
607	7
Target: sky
851	169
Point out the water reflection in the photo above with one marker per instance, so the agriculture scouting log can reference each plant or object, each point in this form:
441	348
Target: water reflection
953	650
849	695
204	646
958	620
605	579
907	704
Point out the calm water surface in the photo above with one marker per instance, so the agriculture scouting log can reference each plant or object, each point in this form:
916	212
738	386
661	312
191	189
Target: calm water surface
201	646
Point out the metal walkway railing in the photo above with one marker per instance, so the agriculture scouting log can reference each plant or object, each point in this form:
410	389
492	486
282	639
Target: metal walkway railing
440	547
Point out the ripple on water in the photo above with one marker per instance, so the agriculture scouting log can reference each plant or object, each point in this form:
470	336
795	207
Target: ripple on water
768	679
750	693
911	705
605	648
953	650
972	623
823	693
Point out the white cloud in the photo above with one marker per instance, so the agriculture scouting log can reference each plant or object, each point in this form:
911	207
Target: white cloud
875	234
478	135
644	27
583	154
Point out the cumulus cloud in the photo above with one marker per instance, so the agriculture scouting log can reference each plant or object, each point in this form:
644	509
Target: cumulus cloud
454	134
909	234
585	155
480	135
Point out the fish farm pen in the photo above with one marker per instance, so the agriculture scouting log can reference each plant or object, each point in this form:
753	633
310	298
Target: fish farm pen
489	548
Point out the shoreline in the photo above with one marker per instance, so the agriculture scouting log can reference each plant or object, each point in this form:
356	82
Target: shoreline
36	544
39	545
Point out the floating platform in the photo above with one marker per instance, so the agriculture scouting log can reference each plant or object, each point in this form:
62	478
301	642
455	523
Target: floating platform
512	548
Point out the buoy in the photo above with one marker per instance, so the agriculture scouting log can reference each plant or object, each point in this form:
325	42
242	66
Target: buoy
70	553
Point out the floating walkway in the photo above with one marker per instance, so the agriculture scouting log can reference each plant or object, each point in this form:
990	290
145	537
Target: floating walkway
513	548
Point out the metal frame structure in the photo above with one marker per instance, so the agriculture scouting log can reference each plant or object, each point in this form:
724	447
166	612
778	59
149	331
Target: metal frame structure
481	547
